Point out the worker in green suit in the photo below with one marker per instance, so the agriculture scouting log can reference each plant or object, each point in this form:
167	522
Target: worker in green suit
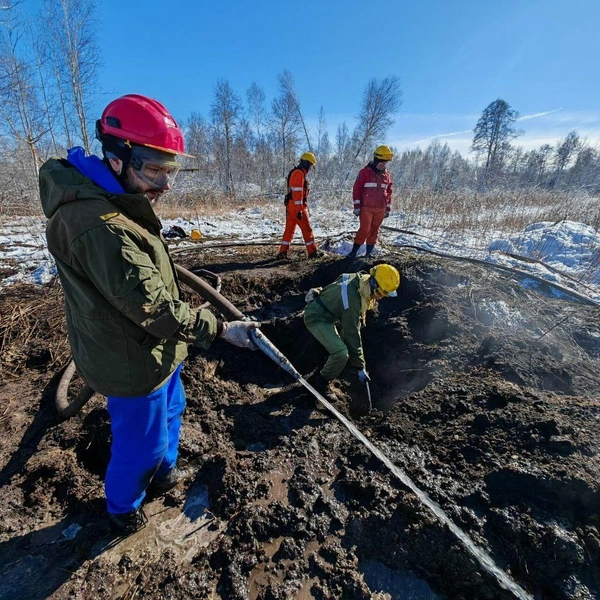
334	315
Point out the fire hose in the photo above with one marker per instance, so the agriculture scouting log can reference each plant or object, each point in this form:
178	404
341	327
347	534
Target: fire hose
231	313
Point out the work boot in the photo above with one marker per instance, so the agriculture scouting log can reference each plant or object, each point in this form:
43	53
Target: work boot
319	382
163	484
128	523
369	250
316	254
283	256
354	250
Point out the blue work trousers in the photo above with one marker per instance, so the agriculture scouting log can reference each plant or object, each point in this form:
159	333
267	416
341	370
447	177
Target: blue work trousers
145	441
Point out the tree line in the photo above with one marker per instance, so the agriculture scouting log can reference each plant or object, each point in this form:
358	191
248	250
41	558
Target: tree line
245	144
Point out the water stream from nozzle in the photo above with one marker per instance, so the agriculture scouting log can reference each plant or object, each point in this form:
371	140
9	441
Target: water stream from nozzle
482	557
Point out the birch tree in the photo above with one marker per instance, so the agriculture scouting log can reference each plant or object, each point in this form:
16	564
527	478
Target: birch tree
285	124
225	112
256	100
197	143
287	87
76	56
21	112
381	100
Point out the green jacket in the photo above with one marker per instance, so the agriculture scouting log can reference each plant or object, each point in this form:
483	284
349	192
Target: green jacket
344	309
128	329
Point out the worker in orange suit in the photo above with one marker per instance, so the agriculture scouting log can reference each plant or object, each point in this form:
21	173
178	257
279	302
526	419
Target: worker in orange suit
297	209
372	199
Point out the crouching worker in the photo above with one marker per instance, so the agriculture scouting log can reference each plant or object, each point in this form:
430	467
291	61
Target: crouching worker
128	327
334	315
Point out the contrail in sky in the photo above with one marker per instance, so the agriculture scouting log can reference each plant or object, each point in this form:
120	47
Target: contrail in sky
452	133
441	135
536	115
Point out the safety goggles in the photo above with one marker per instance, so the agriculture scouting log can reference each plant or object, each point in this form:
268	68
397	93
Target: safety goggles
386	294
377	290
157	169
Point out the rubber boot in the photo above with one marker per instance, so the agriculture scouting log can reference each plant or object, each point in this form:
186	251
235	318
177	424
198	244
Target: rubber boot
369	250
354	250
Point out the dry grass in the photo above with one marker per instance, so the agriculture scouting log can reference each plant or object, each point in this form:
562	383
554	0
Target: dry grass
452	211
31	316
509	211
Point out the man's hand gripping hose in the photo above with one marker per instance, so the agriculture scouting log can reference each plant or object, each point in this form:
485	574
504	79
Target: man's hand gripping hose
239	333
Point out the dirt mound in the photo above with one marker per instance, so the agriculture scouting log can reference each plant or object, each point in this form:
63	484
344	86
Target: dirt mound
485	393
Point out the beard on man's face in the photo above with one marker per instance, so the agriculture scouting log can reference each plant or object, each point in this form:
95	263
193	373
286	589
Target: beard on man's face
134	185
131	184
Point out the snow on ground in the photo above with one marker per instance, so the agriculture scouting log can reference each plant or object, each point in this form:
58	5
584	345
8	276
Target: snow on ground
564	253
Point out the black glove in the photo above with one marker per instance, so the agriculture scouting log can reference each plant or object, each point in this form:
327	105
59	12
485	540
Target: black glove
299	215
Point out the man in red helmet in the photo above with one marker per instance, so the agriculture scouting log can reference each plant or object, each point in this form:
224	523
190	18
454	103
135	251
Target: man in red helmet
128	328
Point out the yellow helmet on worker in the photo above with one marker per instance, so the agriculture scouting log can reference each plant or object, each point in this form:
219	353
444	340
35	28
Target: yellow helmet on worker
383	153
386	279
309	157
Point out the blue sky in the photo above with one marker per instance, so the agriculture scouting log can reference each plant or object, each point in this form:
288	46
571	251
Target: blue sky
453	58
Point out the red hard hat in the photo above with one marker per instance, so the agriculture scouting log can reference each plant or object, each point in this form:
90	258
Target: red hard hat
144	121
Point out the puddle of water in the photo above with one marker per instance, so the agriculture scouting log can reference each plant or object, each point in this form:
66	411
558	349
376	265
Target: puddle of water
399	585
183	531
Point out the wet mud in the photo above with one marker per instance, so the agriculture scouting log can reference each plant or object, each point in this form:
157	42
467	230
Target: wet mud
485	392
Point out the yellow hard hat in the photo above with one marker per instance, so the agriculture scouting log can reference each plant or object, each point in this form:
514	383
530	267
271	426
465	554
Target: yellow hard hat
384	153
309	157
387	279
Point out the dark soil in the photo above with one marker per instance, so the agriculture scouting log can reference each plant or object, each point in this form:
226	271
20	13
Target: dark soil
485	392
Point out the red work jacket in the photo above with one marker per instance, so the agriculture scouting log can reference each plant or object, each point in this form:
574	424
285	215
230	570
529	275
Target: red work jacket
373	189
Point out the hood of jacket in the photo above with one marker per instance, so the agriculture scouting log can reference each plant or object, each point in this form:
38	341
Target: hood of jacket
61	183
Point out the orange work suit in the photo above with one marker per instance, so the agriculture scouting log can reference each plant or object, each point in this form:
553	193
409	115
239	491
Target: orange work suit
297	212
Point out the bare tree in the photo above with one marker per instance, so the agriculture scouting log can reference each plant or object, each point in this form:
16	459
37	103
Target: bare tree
535	166
492	136
42	61
381	100
564	153
197	143
585	172
287	87
343	151
20	108
71	30
225	112
285	124
324	171
256	99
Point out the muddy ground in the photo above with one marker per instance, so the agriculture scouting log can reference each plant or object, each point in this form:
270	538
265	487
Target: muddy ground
486	392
